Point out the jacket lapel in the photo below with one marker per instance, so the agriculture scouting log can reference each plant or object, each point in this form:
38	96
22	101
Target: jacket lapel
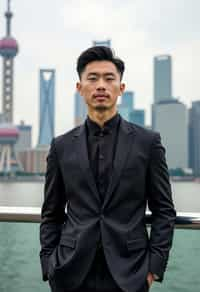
83	160
124	144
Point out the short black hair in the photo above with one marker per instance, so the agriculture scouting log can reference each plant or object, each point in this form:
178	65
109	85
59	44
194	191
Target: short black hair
99	53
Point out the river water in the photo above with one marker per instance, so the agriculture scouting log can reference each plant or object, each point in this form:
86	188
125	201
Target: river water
19	243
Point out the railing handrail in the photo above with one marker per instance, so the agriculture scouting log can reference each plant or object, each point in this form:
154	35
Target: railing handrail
185	220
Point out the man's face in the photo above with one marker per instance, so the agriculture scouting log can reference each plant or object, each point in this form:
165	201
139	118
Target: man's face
100	85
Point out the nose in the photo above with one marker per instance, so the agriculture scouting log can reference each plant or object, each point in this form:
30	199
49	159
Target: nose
101	85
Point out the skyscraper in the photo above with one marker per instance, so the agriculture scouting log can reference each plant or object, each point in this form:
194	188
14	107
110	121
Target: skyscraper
127	109
106	43
194	137
47	106
162	78
171	121
8	50
25	137
127	99
126	106
80	109
137	116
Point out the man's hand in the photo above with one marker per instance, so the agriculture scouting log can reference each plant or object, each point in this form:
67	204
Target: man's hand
150	279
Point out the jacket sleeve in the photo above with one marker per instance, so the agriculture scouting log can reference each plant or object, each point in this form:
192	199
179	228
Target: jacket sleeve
53	209
161	205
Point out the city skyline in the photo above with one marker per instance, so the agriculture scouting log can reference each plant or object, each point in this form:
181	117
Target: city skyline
135	35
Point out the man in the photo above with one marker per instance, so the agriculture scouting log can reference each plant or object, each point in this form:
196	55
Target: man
99	179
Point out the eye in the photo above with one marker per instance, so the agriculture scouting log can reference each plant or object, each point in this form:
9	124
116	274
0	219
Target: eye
92	78
109	78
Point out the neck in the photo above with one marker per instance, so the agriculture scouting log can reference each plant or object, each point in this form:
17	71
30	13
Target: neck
101	117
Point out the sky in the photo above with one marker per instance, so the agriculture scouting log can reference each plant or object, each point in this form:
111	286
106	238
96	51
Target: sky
53	33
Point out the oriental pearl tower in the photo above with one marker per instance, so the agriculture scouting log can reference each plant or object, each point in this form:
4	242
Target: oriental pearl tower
8	50
8	132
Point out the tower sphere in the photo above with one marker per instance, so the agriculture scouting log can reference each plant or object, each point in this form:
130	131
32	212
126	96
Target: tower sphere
8	47
8	134
8	130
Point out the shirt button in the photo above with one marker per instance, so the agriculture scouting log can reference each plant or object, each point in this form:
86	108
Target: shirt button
101	156
101	134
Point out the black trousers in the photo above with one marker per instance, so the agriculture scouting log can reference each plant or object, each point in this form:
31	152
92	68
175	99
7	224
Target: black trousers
99	278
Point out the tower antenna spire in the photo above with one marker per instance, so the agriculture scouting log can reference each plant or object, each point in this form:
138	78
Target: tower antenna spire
8	15
8	5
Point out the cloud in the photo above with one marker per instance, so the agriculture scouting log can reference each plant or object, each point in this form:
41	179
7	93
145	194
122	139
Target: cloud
103	19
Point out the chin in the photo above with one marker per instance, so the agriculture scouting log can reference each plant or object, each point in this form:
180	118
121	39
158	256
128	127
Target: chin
101	108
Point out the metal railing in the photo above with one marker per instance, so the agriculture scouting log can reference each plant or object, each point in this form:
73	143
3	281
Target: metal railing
184	220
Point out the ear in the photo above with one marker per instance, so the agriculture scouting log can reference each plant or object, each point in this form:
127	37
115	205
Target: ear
122	88
78	86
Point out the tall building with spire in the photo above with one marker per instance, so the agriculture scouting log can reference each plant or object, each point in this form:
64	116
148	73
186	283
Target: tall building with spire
9	134
47	106
8	50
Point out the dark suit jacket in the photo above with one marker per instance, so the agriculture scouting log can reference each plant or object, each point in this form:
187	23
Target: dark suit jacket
69	237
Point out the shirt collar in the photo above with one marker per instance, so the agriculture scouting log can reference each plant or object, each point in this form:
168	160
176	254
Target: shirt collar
109	126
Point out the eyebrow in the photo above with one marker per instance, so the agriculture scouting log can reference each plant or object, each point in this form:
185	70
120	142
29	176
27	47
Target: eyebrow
105	74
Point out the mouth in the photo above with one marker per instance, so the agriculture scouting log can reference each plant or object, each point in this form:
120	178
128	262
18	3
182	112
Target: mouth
101	97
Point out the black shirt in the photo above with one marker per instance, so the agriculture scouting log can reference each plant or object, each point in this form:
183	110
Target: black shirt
101	150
